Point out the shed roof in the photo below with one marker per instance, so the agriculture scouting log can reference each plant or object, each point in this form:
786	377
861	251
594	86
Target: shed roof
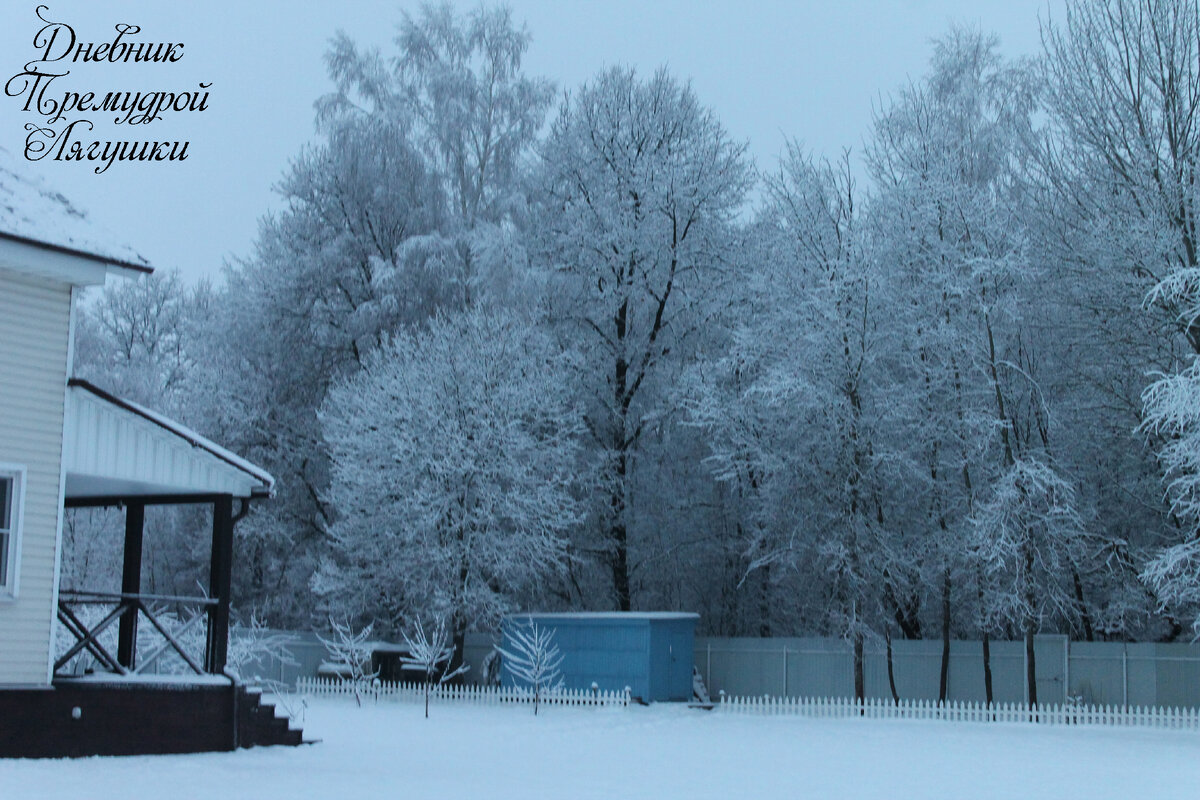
116	448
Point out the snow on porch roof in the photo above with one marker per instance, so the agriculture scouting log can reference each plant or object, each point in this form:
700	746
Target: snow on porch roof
115	448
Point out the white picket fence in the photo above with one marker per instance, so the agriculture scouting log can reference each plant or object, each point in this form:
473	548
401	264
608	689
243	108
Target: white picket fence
471	695
843	707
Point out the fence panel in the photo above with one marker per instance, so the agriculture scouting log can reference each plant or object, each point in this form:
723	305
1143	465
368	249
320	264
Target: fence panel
1092	673
1099	673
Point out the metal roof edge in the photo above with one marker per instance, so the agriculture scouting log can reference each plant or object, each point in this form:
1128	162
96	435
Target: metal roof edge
191	437
107	261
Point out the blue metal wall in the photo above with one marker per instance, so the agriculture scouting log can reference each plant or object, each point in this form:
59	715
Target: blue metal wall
651	653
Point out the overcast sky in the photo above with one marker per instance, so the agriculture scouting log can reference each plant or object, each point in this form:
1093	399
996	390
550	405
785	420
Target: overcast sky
771	69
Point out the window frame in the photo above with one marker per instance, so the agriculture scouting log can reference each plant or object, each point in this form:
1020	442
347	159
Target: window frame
16	472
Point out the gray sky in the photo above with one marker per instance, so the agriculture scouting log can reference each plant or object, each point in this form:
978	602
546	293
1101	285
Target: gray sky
770	69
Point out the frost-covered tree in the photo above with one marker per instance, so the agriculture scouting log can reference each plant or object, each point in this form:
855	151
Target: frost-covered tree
952	220
639	185
455	460
791	408
1123	89
139	339
350	653
532	657
1028	536
475	114
1173	417
302	311
431	653
407	205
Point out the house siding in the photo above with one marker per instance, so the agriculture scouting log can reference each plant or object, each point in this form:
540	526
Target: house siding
35	318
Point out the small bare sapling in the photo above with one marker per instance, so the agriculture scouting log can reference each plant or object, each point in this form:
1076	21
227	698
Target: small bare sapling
431	653
350	655
532	658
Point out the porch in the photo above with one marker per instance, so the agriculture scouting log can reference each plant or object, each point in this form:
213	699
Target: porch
106	696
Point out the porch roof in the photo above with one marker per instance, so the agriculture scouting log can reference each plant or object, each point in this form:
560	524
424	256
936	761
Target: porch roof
115	448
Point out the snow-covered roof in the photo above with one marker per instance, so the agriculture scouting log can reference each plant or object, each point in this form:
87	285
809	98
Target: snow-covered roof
117	448
33	213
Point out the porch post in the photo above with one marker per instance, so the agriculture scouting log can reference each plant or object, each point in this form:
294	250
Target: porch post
219	581
131	583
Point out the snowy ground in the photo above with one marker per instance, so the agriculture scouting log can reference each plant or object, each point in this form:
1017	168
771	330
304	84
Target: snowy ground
389	750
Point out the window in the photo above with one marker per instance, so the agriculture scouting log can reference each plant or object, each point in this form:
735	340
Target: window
11	485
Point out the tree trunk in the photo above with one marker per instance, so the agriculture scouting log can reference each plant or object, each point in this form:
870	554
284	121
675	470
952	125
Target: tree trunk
1030	623
944	680
620	538
1085	618
764	600
1030	665
891	674
460	640
987	667
987	640
859	683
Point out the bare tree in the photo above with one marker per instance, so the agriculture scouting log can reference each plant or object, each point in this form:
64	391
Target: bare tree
432	654
350	652
532	657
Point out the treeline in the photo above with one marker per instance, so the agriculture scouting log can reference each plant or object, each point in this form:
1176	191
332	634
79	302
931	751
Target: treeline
506	348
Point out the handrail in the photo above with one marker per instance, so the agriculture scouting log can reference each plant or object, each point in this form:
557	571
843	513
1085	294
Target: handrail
125	603
82	596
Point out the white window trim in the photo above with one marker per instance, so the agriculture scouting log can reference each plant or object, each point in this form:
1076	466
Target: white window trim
16	471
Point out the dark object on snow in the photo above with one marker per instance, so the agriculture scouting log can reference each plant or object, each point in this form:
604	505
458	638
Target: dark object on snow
699	690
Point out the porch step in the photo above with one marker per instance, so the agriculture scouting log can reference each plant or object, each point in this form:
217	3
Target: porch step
259	725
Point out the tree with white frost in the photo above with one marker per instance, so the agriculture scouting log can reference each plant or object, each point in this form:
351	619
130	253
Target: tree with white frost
350	654
532	657
431	653
1172	406
454	461
638	188
459	83
1027	537
1123	87
791	409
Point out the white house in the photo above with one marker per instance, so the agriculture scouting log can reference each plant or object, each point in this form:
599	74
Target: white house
67	443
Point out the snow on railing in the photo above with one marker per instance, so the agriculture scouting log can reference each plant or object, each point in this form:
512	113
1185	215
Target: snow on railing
468	694
956	711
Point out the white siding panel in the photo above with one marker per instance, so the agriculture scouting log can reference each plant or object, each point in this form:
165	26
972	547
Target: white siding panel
34	335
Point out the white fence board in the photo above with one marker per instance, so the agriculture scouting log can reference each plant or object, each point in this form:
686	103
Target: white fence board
473	694
954	711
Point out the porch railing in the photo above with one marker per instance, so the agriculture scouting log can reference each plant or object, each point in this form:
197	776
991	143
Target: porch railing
127	608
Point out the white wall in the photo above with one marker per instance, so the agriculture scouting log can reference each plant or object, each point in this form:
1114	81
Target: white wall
35	316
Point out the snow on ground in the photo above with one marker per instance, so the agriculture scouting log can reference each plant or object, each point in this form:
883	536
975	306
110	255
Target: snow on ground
390	750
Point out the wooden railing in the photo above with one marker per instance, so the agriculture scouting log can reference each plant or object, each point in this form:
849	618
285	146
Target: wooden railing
128	608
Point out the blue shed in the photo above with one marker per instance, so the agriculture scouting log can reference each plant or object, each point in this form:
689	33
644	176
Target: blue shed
651	652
